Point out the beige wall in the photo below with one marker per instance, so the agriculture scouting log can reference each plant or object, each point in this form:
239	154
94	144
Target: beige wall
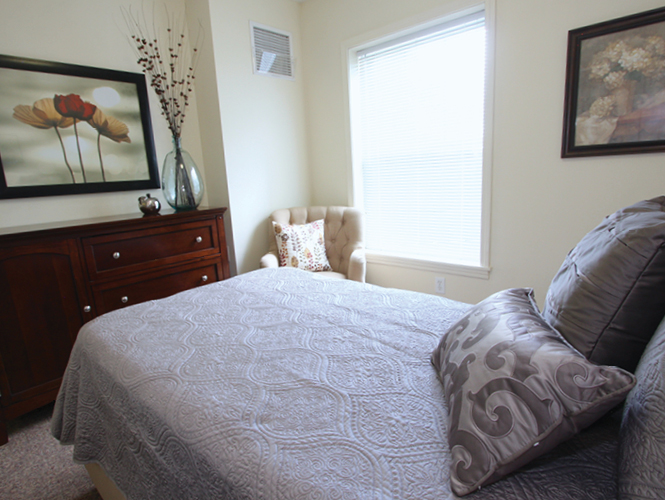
541	204
262	123
267	143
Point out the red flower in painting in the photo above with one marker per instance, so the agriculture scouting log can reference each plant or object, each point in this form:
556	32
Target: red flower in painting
73	106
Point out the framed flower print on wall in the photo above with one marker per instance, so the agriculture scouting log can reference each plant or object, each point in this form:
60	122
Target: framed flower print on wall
615	87
68	129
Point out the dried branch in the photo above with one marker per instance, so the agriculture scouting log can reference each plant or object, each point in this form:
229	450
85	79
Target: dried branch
170	73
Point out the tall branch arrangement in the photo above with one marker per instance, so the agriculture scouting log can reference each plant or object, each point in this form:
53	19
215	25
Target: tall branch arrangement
171	72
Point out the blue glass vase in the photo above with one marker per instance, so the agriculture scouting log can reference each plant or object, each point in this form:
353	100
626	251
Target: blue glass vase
182	183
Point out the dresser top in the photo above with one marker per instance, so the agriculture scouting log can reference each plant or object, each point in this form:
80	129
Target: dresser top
129	221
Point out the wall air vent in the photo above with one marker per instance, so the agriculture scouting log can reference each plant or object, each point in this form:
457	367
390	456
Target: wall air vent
271	50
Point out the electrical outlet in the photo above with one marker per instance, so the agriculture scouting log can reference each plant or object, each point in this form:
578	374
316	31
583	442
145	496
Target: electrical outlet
440	285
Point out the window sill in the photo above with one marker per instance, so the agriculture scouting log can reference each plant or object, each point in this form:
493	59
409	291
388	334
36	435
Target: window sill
480	272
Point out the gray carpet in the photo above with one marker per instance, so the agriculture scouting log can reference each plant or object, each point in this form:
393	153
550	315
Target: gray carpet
35	466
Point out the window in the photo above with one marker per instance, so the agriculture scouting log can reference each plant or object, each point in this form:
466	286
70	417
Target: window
418	122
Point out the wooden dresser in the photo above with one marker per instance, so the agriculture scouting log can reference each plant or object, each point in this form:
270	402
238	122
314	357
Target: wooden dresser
55	277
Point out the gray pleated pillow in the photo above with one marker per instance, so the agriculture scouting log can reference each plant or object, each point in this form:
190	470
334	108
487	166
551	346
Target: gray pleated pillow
515	389
607	298
642	436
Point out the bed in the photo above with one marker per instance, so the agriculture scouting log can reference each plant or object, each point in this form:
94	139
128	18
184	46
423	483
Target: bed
283	384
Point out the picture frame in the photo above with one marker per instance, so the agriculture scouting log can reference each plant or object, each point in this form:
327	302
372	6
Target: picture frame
615	87
68	129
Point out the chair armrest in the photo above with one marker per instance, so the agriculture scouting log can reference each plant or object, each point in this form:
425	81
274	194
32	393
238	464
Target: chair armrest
269	260
357	265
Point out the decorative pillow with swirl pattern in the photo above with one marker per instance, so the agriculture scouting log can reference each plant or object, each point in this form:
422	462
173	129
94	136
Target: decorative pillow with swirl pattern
515	388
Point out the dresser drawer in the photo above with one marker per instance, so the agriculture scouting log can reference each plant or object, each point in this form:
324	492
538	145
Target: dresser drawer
126	252
114	295
56	276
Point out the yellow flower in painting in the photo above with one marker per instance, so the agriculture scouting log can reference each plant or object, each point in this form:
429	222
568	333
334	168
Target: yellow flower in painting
655	45
603	106
42	114
635	60
615	50
109	127
615	79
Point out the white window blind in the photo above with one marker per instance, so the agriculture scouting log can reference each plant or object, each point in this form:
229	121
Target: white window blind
418	136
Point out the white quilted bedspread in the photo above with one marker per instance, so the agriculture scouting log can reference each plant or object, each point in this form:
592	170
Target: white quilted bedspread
277	384
281	384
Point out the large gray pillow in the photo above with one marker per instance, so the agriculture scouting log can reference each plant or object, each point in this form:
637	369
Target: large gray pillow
515	389
607	299
642	436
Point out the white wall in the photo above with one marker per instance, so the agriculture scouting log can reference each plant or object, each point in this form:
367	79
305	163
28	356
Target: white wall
88	33
207	100
541	204
262	123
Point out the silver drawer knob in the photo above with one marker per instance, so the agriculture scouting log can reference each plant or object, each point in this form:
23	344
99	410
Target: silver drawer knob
124	299
87	309
116	255
204	278
199	239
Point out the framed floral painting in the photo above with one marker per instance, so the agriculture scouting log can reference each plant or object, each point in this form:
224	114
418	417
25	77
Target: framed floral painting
68	129
615	87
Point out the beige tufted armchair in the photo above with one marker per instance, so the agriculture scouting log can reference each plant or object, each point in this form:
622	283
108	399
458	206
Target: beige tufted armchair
344	232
